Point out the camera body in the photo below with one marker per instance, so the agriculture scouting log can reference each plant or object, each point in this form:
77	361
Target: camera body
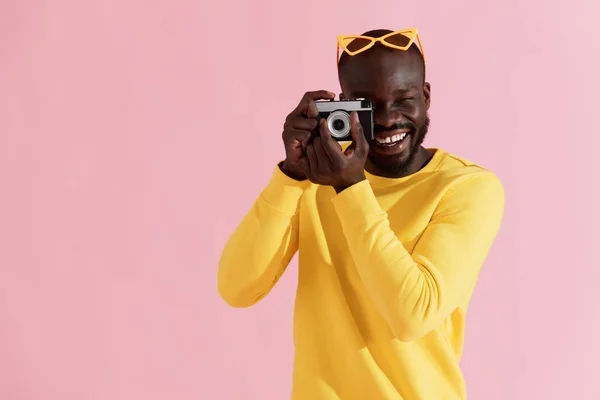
337	115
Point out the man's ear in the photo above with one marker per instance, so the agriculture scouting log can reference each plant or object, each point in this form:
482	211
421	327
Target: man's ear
427	94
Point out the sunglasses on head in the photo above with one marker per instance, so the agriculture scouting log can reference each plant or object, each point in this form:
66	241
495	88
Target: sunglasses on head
399	40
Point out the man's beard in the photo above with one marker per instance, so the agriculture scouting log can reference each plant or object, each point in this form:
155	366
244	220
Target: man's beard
401	166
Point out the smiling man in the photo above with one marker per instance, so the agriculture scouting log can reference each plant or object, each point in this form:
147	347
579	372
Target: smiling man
391	237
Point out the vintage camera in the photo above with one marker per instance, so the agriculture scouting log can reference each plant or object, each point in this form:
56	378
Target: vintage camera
337	114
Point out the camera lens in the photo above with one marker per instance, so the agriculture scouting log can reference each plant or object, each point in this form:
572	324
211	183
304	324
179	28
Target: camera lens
338	123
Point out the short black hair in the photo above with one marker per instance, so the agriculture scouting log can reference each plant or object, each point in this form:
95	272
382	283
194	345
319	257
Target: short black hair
379	33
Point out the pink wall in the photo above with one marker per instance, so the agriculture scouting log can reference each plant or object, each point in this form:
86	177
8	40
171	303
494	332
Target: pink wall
124	126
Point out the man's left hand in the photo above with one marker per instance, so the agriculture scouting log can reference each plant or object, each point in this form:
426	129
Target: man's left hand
324	162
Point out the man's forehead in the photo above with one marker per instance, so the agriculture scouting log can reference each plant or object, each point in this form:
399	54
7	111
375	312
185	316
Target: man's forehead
383	57
401	67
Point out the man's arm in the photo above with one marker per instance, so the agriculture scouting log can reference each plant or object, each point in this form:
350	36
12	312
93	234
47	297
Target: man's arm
258	252
416	292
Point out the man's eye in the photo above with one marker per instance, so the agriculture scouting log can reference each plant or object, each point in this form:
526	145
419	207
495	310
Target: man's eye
403	100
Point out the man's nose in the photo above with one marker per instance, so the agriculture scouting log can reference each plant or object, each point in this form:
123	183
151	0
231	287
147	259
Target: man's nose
387	118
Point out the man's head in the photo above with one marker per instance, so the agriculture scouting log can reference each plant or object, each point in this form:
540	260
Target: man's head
394	80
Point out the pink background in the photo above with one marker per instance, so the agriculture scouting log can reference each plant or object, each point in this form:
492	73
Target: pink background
126	125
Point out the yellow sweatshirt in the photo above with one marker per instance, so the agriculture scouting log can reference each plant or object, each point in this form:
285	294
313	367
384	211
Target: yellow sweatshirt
386	271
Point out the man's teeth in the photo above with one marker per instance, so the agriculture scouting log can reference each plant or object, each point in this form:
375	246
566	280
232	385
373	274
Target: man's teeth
391	139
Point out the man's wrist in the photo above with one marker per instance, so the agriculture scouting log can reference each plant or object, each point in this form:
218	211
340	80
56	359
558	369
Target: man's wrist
341	188
291	174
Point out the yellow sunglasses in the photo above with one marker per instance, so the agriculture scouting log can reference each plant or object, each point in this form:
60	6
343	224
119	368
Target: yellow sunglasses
399	40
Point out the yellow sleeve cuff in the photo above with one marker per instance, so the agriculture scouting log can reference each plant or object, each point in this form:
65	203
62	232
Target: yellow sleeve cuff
283	193
356	204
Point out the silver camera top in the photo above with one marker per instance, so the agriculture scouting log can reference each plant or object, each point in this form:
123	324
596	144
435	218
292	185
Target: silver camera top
346	105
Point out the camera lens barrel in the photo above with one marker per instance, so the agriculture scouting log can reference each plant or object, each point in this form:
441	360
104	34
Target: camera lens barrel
338	123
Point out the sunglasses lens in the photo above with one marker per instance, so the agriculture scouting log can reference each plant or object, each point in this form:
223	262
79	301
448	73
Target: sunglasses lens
400	39
354	44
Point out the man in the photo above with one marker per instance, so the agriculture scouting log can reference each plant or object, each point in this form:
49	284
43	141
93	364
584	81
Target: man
391	237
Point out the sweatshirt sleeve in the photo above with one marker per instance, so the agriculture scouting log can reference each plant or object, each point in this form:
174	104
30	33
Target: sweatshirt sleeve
416	291
261	247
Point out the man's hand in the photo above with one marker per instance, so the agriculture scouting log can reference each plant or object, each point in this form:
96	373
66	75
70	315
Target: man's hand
326	164
298	129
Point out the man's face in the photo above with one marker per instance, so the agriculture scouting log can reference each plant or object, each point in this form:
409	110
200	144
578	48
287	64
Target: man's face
393	81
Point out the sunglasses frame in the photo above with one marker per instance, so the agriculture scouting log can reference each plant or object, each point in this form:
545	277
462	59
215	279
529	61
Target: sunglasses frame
411	34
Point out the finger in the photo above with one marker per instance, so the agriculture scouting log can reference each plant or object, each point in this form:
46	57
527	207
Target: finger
309	97
312	111
297	136
312	159
331	147
319	95
322	157
358	137
305	124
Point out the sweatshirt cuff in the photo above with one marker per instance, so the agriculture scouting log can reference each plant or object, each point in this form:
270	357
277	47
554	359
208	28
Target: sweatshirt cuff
282	193
355	204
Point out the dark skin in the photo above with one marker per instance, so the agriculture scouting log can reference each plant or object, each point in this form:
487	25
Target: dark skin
394	82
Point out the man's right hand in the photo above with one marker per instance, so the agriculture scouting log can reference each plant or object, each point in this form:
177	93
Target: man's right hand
298	129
